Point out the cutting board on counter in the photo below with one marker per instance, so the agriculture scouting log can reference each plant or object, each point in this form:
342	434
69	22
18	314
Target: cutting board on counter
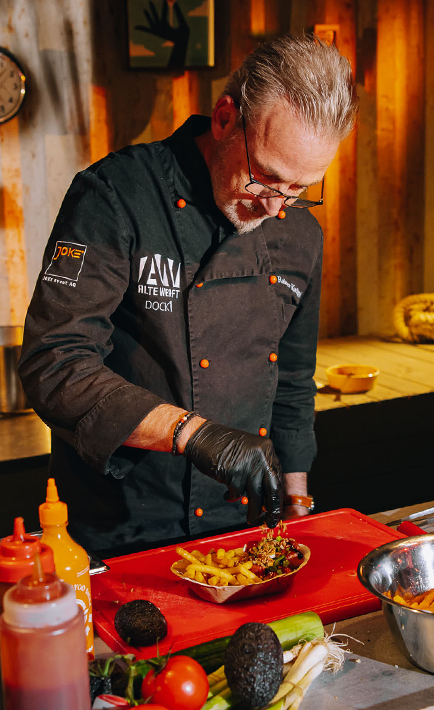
328	584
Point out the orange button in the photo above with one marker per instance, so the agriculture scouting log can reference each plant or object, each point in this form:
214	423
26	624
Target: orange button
272	279
244	500
281	214
181	203
204	363
262	431
199	285
198	512
272	357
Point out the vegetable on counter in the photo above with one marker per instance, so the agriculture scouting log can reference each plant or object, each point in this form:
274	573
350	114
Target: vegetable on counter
310	660
140	623
253	664
108	675
303	663
177	682
290	631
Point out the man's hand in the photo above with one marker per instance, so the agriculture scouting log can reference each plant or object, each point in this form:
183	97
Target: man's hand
295	484
245	463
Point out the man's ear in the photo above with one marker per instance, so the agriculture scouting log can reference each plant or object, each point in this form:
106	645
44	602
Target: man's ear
224	117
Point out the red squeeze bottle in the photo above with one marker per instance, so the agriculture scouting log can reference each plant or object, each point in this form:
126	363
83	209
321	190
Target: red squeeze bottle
17	557
43	645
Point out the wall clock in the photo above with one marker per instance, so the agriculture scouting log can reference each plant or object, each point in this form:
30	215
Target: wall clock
12	86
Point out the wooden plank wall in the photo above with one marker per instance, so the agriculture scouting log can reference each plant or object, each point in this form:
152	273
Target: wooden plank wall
84	101
428	244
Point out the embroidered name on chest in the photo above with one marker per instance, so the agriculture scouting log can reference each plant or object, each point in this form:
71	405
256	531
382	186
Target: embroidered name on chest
291	286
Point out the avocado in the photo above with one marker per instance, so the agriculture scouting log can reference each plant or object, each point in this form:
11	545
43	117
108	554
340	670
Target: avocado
254	664
140	623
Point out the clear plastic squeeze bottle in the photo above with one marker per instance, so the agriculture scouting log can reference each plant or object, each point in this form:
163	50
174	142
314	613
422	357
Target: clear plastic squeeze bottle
71	560
17	557
43	645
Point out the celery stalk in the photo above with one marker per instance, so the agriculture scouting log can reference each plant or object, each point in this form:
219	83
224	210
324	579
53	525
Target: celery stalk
223	701
290	631
299	627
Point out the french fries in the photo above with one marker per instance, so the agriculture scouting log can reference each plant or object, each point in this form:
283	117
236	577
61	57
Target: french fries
260	561
218	568
421	601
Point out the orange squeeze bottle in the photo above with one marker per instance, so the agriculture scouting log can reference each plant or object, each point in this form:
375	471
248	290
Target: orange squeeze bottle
43	645
70	559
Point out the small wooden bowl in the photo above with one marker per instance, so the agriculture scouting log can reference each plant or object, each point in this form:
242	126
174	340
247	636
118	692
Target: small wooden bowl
352	378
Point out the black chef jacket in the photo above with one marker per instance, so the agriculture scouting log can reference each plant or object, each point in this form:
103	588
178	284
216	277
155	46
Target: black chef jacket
148	295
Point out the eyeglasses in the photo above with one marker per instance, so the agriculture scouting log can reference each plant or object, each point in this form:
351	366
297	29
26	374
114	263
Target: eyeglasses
265	191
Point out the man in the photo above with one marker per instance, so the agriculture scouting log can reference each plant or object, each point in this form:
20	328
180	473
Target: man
177	313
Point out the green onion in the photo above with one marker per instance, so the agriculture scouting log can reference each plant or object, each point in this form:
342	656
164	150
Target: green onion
313	657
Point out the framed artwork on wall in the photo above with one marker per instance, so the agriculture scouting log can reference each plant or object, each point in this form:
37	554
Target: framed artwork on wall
172	34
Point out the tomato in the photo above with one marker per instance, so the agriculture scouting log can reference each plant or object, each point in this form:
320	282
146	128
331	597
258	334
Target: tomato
181	685
149	706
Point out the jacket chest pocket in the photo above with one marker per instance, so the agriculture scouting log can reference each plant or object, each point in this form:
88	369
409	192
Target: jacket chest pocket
288	310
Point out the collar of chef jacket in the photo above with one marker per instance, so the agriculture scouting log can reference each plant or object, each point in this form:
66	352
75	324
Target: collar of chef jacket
252	247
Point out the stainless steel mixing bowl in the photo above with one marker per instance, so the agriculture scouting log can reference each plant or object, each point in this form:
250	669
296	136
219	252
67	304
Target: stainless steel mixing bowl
409	564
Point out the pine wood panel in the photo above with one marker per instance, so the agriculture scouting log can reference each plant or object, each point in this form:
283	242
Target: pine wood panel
428	277
13	222
400	146
367	171
338	214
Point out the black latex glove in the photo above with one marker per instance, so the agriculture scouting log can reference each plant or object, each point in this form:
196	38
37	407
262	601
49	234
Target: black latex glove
246	463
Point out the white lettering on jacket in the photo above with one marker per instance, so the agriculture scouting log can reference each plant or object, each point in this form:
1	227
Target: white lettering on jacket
159	305
161	267
292	286
160	277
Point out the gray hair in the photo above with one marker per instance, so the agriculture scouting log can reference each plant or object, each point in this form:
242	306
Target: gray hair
310	74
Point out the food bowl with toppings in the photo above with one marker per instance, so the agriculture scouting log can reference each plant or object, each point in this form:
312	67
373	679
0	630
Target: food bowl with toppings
401	575
263	566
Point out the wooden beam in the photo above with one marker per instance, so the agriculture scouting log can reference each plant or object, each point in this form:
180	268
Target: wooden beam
400	145
428	276
337	216
99	138
13	216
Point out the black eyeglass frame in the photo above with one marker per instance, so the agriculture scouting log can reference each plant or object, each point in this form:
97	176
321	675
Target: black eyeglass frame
306	203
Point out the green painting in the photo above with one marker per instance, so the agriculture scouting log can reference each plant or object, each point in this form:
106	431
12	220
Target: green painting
172	34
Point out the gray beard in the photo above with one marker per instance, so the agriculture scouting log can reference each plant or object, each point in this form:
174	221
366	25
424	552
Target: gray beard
244	226
230	209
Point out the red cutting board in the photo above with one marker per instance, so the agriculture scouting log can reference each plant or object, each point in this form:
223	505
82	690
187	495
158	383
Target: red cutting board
328	584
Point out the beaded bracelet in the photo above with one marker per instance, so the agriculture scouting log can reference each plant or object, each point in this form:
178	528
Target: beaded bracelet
179	427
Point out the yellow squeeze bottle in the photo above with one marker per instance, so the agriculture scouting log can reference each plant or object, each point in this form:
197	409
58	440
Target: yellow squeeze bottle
70	559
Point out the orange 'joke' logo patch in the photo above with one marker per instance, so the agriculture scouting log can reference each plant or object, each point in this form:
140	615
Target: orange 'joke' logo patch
67	260
68	251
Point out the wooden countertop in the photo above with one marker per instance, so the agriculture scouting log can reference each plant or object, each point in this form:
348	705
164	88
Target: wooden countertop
23	436
406	370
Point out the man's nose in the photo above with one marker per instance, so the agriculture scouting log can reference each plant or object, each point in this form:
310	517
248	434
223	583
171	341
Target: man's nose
272	205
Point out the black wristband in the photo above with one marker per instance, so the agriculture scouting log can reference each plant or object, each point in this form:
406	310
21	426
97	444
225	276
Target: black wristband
179	427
